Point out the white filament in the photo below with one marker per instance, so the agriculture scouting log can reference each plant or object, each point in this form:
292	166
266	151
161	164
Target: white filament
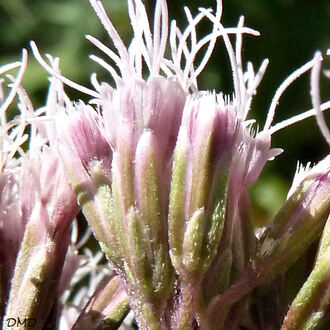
285	84
316	99
113	34
148	48
297	118
14	86
65	80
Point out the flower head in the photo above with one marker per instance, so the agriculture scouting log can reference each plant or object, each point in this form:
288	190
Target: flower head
48	206
37	207
175	196
140	119
299	222
12	223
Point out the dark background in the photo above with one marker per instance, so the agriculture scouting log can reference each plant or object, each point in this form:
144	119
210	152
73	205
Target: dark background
291	31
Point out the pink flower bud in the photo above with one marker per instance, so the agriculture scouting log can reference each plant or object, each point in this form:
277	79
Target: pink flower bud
138	105
82	146
201	167
12	227
87	158
108	306
215	159
298	223
48	207
141	122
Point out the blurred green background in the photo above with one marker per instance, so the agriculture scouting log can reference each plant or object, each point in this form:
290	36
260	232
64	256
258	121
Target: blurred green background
291	31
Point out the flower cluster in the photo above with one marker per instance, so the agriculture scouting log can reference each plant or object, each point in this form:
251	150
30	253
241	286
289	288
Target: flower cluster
161	172
37	207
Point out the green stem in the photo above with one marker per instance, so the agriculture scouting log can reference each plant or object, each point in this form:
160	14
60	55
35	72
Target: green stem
148	317
188	304
310	305
220	305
